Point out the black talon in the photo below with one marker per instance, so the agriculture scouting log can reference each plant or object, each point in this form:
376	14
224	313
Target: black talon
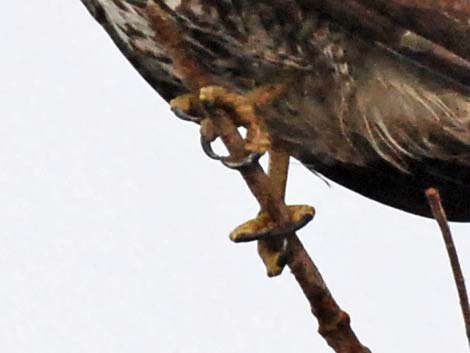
227	161
207	148
243	163
275	232
291	227
185	116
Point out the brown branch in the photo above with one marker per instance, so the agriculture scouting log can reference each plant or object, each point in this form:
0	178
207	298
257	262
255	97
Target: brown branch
437	209
334	323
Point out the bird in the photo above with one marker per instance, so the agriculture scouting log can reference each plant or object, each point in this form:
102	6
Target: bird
374	95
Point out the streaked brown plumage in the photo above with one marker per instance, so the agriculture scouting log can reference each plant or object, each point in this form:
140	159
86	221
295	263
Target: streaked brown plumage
370	104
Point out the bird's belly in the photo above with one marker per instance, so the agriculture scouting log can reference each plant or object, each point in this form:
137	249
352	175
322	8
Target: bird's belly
394	188
401	132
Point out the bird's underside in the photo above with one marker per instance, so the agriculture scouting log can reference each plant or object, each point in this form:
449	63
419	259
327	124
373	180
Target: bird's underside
371	105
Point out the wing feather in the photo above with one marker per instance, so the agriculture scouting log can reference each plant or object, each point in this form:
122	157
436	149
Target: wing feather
126	23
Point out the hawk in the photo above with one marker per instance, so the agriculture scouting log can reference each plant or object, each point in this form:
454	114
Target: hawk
372	94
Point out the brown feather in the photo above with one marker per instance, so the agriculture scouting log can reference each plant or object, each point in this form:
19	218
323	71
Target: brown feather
377	101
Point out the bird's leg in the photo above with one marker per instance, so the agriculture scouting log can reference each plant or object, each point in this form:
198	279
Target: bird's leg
223	112
257	142
273	253
271	233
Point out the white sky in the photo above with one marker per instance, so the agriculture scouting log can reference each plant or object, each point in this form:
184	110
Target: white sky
114	224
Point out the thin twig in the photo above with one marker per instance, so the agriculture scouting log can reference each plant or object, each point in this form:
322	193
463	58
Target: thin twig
438	211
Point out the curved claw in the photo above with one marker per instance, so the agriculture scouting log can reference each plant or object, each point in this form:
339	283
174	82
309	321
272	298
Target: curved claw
181	114
227	161
253	157
207	148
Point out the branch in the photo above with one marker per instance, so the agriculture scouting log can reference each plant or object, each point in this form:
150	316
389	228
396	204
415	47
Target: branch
437	209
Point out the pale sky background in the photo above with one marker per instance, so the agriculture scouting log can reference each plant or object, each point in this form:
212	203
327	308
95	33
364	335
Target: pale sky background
114	224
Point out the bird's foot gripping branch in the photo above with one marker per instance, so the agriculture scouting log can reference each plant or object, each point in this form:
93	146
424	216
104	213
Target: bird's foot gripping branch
220	112
242	108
